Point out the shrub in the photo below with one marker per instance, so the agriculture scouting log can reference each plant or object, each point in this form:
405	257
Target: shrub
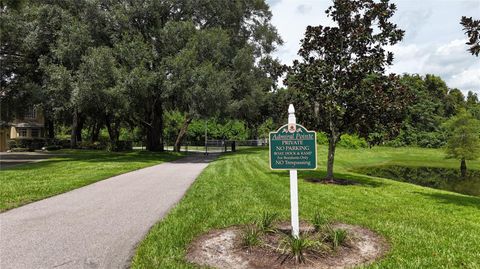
32	144
251	236
100	145
51	142
265	128
352	141
97	145
52	147
84	144
436	139
322	138
64	143
120	146
22	150
396	143
11	144
431	139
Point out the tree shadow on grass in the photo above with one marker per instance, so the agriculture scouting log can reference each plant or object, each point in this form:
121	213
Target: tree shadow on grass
457	199
100	157
348	179
249	150
34	165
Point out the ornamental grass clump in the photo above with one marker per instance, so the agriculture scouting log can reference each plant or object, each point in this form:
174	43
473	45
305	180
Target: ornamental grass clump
265	223
337	237
295	247
319	222
251	236
310	244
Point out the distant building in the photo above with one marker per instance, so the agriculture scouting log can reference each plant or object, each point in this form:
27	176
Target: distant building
29	125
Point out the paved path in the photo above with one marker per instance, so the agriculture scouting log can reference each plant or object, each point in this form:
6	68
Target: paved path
97	226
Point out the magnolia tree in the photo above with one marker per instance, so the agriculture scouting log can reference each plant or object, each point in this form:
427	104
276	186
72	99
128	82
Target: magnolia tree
472	30
341	73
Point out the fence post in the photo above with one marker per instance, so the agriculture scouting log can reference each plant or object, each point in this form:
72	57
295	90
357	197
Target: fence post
206	141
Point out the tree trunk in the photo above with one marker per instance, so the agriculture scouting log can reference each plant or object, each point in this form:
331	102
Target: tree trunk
155	130
73	136
113	133
50	127
332	144
95	133
181	133
153	140
80	123
463	168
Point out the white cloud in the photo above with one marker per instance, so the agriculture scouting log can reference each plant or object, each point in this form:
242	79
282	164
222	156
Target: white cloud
304	9
434	41
414	20
467	79
450	61
273	2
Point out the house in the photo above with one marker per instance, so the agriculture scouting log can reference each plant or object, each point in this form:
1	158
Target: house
28	126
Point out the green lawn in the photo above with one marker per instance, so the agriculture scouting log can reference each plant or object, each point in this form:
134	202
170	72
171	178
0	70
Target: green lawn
35	181
426	228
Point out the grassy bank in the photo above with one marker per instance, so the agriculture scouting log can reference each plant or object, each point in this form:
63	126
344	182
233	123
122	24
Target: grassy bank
426	228
34	181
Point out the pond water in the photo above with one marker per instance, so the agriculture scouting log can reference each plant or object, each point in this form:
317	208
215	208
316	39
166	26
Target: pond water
439	178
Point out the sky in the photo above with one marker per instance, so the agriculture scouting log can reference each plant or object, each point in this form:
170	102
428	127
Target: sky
434	42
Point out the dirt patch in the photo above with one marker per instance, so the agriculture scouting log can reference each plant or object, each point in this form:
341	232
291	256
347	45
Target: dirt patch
336	181
222	249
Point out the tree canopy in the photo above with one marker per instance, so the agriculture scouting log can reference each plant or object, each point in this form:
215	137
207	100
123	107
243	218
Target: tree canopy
464	139
113	63
472	30
341	72
107	70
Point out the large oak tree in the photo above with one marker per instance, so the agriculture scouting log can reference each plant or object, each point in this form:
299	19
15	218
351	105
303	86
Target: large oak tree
45	44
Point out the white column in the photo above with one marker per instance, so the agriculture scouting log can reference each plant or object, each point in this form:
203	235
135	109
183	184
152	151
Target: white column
293	183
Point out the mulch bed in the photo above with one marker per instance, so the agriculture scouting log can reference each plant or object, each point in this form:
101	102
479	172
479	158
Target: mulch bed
223	249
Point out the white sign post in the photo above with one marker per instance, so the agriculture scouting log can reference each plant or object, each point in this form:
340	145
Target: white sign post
293	147
293	181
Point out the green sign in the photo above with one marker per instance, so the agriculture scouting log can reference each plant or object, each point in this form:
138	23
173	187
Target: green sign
292	147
